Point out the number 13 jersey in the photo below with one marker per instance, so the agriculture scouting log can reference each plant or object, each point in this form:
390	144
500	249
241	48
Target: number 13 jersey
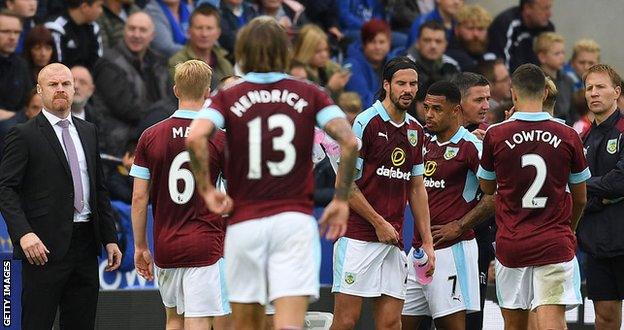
269	120
532	157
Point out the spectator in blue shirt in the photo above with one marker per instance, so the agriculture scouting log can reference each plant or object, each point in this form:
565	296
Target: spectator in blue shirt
171	21
585	54
445	13
367	60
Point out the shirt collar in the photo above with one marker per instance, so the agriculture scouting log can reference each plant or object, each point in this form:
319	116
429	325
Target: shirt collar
264	77
456	137
383	113
610	121
184	114
531	116
54	119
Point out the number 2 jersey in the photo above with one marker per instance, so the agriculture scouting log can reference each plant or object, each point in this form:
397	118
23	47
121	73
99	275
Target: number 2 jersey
269	120
532	158
186	234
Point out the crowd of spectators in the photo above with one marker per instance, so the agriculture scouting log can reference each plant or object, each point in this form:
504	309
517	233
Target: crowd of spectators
123	52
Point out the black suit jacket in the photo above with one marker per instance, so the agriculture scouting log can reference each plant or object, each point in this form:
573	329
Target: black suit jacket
36	189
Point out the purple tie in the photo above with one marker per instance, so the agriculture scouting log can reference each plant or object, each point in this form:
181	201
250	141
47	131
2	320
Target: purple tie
72	157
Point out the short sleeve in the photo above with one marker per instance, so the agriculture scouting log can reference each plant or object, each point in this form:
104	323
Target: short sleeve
579	170
140	168
326	109
418	167
486	165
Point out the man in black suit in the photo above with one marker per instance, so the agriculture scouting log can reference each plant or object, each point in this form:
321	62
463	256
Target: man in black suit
56	207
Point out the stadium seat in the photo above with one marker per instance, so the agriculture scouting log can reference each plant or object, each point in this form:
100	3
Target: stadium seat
318	321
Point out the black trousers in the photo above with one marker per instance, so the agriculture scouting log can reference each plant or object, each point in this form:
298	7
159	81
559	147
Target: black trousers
70	285
484	237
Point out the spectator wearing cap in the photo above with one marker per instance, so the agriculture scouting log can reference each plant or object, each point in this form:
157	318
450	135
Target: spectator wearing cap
512	32
367	60
471	39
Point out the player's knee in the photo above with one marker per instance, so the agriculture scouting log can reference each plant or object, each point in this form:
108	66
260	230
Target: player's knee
389	322
344	321
605	319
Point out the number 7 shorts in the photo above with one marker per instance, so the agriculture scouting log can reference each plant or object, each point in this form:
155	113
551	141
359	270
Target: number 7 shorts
273	257
455	284
369	269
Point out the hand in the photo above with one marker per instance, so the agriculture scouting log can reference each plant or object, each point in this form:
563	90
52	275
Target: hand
6	114
479	133
510	112
445	233
114	257
338	80
431	254
336	32
333	222
143	263
386	233
218	202
34	249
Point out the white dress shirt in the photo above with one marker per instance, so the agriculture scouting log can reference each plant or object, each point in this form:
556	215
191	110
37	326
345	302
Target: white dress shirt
82	161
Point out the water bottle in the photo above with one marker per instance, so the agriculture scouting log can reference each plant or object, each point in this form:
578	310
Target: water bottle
422	266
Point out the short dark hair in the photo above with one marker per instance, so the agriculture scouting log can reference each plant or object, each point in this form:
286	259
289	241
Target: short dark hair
8	13
432	25
446	89
523	3
391	67
466	80
77	3
486	68
131	146
529	81
205	10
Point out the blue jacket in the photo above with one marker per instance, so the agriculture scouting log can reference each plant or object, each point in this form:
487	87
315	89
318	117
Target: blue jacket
365	80
601	228
354	13
576	79
433	15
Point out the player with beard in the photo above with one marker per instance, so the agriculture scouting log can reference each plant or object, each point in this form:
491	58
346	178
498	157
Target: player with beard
451	162
469	46
369	261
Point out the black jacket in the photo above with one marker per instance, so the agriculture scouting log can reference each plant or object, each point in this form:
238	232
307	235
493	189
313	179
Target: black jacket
601	230
36	189
76	44
230	24
512	41
15	82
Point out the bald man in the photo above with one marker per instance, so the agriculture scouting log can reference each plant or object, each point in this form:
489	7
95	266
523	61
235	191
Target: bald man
129	79
56	208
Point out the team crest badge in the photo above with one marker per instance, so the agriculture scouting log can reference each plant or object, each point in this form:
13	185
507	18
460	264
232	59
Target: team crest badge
412	137
612	146
349	278
450	153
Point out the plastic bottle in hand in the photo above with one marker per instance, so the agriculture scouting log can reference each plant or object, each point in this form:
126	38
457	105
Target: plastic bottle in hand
422	266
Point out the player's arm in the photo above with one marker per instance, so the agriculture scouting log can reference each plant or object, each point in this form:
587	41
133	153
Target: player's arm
197	143
609	186
142	256
487	186
450	231
384	230
334	219
579	199
419	205
340	131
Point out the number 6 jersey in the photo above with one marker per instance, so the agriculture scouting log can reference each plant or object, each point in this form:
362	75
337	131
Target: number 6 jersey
269	120
186	234
532	158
